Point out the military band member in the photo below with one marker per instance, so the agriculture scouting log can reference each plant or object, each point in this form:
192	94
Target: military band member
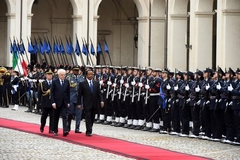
74	79
6	88
44	96
2	70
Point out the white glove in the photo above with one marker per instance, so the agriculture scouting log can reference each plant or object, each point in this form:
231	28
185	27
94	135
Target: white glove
230	103
198	102
227	104
121	81
207	102
133	83
109	83
126	85
41	80
30	80
22	79
25	78
168	87
230	88
169	100
140	84
187	88
207	86
34	80
197	89
188	100
147	86
176	88
114	84
218	86
100	82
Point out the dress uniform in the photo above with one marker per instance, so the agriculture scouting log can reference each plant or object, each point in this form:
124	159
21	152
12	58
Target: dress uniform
44	96
15	90
6	88
74	79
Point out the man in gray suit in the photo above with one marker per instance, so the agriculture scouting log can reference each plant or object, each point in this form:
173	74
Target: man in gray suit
60	97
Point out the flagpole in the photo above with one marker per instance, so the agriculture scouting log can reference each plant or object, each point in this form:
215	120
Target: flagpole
45	57
70	50
80	52
108	52
51	53
87	47
64	52
50	57
59	53
25	51
74	56
55	42
40	55
101	51
14	50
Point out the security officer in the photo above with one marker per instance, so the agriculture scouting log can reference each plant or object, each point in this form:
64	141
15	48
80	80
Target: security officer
74	79
44	97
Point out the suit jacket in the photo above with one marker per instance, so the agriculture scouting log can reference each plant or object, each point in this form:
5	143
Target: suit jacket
60	94
44	94
90	100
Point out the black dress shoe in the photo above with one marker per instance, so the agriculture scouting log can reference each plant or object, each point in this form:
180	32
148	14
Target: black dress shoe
126	126
99	121
137	128
119	125
107	122
5	106
154	130
65	134
29	110
50	132
55	134
146	129
78	132
41	129
88	134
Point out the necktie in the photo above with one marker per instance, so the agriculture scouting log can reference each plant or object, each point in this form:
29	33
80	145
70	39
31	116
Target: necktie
62	83
91	86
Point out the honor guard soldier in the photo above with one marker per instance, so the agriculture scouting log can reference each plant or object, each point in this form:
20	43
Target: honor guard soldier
153	101
6	76
74	79
107	103
146	105
15	90
175	109
44	97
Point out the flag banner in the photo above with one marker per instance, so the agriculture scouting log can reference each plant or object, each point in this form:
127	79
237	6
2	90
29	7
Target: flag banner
55	48
36	49
84	49
30	48
106	48
92	49
62	49
77	49
16	64
68	49
99	49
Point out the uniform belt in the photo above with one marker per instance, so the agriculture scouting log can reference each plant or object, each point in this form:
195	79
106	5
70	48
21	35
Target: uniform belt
180	96
213	97
154	94
236	97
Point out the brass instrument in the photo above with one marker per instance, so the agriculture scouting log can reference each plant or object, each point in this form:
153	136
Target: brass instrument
3	70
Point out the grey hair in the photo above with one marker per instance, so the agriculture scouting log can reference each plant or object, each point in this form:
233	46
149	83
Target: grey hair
61	71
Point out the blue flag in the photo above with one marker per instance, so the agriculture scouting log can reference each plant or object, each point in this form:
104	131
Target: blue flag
92	49
84	49
48	48
55	48
36	49
22	48
68	49
164	100
41	48
30	48
106	48
77	49
62	49
99	49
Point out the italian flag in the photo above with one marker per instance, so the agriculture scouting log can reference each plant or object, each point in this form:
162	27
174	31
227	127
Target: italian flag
17	64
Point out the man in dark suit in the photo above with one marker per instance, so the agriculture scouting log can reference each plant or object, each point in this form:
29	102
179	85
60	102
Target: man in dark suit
44	96
60	96
90	92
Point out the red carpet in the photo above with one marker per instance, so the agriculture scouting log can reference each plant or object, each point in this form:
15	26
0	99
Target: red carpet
112	145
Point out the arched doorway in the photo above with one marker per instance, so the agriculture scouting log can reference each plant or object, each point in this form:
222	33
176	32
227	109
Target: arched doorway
118	25
3	33
55	24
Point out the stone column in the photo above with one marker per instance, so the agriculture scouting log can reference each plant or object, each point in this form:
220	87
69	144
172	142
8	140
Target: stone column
202	41
177	28
77	30
157	41
143	41
11	25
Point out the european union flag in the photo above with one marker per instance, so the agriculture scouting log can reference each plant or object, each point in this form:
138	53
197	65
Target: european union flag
41	47
55	48
30	48
68	49
84	49
106	48
22	48
36	49
62	49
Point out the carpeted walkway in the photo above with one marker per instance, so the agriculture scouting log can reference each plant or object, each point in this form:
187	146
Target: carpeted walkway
112	145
